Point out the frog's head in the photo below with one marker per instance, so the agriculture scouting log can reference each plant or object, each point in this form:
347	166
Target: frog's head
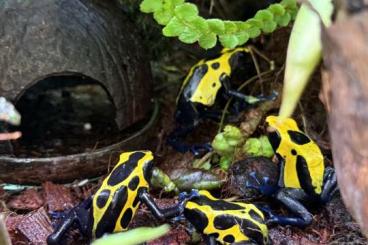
277	129
135	163
148	169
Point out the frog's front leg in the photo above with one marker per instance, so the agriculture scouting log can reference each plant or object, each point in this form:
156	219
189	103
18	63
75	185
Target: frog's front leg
303	216
330	185
176	140
249	100
78	215
166	213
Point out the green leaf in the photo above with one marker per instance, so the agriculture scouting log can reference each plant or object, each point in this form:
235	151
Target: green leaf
163	17
150	6
254	32
221	146
208	41
189	36
186	11
229	41
277	9
230	27
176	2
258	147
225	162
288	3
264	15
242	37
233	135
283	20
304	52
174	28
200	24
192	27
134	236
269	26
216	25
254	23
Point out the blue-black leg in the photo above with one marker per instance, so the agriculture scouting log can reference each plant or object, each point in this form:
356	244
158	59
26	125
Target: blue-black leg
261	184
329	185
176	140
243	102
166	213
303	217
188	116
78	215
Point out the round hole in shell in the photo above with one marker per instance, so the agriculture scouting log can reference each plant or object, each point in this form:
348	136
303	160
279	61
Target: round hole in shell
64	114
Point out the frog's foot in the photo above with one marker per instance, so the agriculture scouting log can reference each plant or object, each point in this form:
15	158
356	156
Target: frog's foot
200	149
273	218
289	220
264	186
330	185
263	98
179	218
58	214
185	196
265	208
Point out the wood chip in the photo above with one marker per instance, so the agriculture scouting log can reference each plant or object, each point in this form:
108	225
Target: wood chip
27	200
58	197
11	222
36	226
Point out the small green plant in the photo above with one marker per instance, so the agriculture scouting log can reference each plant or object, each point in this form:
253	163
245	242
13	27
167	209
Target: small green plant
134	236
225	144
258	147
182	20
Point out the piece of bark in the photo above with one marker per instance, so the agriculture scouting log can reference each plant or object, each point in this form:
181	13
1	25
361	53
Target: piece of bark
345	47
27	200
58	197
11	222
36	226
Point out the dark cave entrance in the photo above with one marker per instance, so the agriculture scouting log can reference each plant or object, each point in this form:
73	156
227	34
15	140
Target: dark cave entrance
65	114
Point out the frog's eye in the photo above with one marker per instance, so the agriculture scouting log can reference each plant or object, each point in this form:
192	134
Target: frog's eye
298	137
147	170
274	139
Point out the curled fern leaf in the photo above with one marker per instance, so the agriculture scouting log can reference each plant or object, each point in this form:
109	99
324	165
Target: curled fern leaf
182	20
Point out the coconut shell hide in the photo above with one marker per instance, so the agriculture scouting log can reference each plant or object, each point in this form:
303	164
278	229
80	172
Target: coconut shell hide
89	38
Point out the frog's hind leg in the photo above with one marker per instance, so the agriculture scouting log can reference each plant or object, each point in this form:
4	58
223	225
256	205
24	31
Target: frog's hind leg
290	198
330	185
78	215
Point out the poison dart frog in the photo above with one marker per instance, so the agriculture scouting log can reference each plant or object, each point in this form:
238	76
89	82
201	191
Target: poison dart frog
206	81
113	206
303	177
224	221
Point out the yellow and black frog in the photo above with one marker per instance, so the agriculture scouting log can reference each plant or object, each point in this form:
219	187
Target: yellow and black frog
224	221
303	177
205	83
114	205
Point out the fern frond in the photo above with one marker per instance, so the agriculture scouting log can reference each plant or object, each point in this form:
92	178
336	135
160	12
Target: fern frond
182	20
